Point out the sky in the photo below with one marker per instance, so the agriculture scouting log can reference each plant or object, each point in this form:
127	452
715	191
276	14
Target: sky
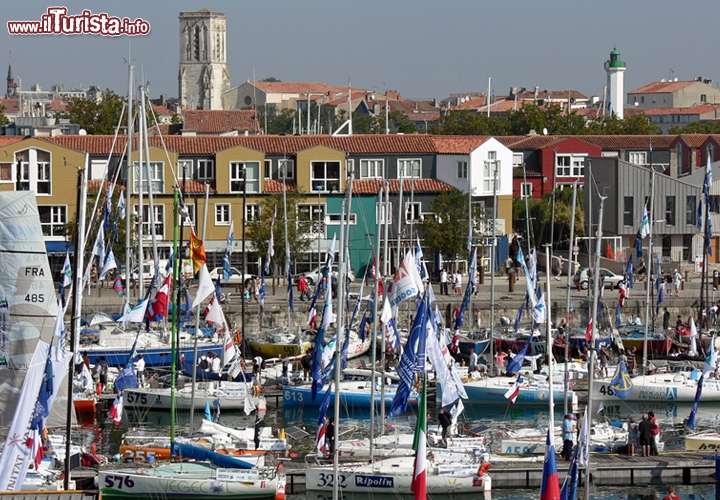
422	48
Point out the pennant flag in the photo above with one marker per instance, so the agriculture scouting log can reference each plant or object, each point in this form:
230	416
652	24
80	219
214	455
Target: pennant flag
214	314
645	223
136	314
322	425
66	278
588	330
408	361
197	252
391	333
699	215
518	317
693	335
707	184
422	270
539	312
118	286
109	264
710	363
406	281
418	484
601	407
529	281
205	286
630	272
513	393
121	204
208	414
550	488
621	382
228	251
158	308
229	351
693	411
516	363
638	245
116	410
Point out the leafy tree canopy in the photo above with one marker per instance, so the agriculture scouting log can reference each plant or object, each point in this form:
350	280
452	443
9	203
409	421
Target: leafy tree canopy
97	118
4	120
705	127
540	214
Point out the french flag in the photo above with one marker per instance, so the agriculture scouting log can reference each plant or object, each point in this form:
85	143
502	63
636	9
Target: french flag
34	442
514	391
550	489
116	410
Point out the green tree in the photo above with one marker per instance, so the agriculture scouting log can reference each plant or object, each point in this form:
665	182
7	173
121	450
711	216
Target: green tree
704	127
175	119
631	125
4	120
446	232
277	122
299	226
97	118
540	213
270	79
468	122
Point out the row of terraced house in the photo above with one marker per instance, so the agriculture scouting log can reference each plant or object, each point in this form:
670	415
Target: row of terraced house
318	167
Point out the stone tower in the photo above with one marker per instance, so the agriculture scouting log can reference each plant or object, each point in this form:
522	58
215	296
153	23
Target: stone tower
615	69
203	76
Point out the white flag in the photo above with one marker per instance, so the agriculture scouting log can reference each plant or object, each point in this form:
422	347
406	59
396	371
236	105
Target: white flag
248	405
109	264
434	353
584	440
136	314
406	281
205	286
228	349
693	336
645	223
215	313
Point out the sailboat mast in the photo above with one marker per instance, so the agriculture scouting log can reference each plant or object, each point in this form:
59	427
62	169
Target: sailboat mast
383	345
151	204
197	311
339	341
175	309
593	337
373	342
140	218
287	250
128	174
549	339
492	273
567	295
649	269
77	308
398	259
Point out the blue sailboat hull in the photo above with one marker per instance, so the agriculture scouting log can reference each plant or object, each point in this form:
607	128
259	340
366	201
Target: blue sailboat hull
302	396
154	357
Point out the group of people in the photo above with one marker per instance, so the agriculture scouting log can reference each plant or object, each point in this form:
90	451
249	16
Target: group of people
210	362
450	278
643	434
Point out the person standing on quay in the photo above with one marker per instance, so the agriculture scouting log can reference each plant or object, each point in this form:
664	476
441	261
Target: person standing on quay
568	430
443	282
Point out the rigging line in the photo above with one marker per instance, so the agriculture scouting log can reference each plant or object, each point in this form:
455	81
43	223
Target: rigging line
110	153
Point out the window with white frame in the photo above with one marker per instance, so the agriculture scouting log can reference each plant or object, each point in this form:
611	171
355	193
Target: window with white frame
413	212
315	214
372	169
383	212
205	170
152	173
517	159
336	219
43	176
267	170
570	165
23	176
244	174
462	170
32	171
159	220
349	166
637	157
252	212
53	220
325	176
191	214
185	168
286	169
489	169
222	214
409	168
526	189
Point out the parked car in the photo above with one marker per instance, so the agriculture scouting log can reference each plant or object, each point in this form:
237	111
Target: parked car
582	278
236	277
315	275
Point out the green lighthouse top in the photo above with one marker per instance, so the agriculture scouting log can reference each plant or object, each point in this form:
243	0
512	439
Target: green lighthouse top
615	61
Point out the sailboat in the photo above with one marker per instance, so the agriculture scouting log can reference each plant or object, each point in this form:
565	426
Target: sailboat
33	358
214	474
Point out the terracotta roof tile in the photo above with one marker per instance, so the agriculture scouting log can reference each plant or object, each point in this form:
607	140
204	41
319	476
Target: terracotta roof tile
57	105
197	187
219	121
457	144
530	171
273	186
693	110
536	141
11	105
420	186
662	87
629	141
6	140
294	87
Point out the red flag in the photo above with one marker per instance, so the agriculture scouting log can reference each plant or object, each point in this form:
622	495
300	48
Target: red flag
588	332
513	393
158	308
116	410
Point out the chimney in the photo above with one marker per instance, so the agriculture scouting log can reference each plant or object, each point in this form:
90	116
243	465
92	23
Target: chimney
537	90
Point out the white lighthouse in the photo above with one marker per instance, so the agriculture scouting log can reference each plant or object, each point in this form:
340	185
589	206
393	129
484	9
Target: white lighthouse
615	69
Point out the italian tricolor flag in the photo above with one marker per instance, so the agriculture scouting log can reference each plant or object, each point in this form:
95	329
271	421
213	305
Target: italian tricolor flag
419	481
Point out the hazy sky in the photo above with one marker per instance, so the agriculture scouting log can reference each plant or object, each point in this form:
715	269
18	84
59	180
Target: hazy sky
422	48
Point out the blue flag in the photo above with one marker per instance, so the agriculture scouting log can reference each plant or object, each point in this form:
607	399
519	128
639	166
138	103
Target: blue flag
408	362
631	272
263	289
638	245
468	291
208	414
660	294
126	378
519	316
290	283
316	370
709	236
698	393
699	215
363	326
516	363
569	488
621	382
618	318
322	409
550	486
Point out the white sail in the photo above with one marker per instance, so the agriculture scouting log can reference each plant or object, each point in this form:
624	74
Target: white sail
27	286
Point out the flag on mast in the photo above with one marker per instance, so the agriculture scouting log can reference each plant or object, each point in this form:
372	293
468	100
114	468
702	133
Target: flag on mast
419	480
645	223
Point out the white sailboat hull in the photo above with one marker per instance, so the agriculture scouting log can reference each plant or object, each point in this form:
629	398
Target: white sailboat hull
666	387
159	399
394	475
